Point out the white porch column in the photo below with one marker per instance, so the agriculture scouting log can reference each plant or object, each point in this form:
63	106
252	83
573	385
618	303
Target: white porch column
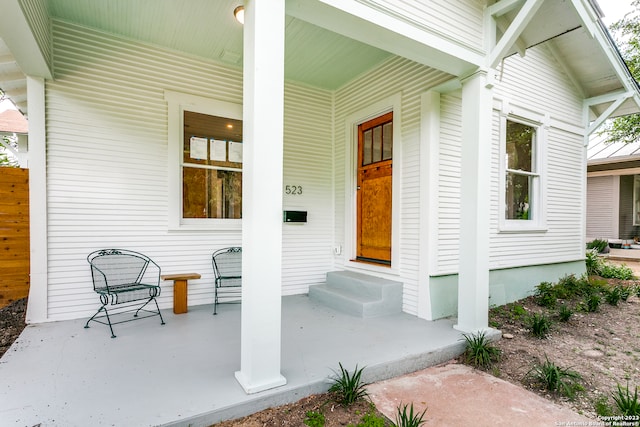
473	278
262	195
38	286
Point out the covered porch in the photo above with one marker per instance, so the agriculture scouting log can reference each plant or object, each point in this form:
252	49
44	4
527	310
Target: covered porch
182	373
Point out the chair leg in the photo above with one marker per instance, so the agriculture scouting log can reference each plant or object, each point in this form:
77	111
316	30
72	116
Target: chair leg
106	315
215	301
159	314
157	309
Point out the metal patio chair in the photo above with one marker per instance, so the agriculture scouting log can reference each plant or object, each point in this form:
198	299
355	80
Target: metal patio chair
125	280
227	268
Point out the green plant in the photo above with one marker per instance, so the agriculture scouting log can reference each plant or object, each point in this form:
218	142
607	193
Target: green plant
591	303
546	295
593	262
348	387
613	296
565	313
625	292
637	291
409	419
314	419
555	378
518	311
602	407
626	403
371	420
539	325
570	286
479	352
598	244
611	271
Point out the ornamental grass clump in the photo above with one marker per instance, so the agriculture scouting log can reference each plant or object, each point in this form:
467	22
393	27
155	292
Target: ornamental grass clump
599	245
613	295
593	262
555	378
627	403
348	387
479	351
409	418
564	313
539	325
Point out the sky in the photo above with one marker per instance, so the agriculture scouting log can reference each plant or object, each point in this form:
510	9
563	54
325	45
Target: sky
613	10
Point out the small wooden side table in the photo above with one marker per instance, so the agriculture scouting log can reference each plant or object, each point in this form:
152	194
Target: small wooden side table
180	290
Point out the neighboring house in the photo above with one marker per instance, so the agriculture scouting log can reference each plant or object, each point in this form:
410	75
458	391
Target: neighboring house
13	136
439	144
613	190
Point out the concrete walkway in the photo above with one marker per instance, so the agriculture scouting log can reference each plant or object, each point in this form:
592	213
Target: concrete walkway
457	395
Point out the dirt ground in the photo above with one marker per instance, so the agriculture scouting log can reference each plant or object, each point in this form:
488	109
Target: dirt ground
603	347
11	323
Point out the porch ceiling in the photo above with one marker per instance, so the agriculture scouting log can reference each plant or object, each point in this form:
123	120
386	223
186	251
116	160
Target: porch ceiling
206	28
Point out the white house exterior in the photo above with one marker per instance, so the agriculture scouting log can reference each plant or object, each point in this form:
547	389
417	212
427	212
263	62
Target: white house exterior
107	84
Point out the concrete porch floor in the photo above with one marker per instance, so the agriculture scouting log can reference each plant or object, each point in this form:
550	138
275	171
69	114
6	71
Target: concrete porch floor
182	373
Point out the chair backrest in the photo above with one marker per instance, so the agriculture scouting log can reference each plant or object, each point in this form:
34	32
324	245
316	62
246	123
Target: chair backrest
117	267
227	266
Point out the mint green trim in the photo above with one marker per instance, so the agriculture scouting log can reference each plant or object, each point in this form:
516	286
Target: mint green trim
505	285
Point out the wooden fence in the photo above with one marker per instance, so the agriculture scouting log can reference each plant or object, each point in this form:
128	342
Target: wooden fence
14	234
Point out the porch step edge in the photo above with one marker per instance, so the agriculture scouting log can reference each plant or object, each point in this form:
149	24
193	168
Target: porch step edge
359	294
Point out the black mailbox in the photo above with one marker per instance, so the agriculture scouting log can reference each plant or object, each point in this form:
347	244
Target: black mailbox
295	216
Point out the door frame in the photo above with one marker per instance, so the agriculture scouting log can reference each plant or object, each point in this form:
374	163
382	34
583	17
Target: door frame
390	104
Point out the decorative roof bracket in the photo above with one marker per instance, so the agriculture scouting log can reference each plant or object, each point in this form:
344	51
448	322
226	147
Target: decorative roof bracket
510	36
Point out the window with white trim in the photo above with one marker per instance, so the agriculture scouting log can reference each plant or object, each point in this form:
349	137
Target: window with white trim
522	174
205	163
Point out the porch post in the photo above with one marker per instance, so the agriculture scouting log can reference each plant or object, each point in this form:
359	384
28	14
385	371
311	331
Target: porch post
473	277
263	109
37	309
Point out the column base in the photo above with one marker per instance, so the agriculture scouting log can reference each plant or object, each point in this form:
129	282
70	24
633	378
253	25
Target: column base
250	387
466	329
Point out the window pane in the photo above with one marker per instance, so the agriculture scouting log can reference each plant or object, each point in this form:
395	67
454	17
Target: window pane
520	139
210	193
366	153
208	140
518	196
377	143
387	141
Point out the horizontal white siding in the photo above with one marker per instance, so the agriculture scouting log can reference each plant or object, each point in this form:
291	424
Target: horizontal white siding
536	83
449	176
602	203
459	20
562	241
107	166
396	75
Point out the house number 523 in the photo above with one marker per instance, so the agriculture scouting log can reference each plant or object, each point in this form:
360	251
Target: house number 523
294	190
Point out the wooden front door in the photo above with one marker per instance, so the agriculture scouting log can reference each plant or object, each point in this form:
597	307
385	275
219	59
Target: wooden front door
375	148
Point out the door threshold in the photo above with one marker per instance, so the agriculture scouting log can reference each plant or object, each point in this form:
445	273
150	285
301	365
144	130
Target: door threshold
380	262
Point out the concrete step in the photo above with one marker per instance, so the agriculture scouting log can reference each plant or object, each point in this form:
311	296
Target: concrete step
359	294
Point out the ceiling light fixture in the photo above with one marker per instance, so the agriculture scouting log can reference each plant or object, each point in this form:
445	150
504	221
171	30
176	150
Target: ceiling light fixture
238	12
